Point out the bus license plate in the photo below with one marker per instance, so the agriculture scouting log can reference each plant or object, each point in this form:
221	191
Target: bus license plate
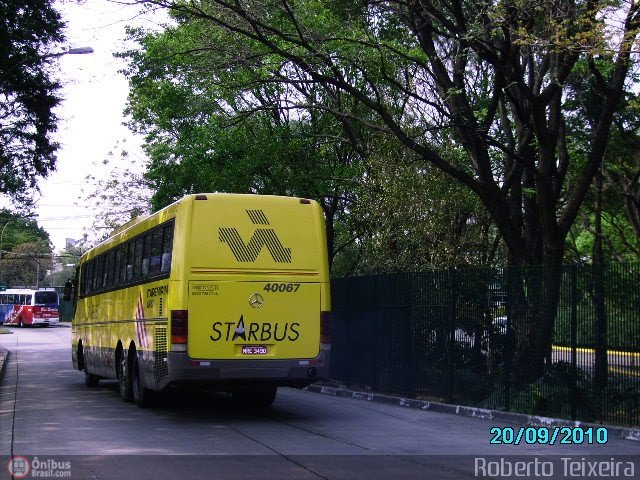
254	350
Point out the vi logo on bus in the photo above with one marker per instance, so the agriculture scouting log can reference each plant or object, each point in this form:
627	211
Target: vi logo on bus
262	237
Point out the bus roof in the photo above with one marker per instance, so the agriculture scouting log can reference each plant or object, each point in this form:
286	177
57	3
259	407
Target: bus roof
124	232
27	290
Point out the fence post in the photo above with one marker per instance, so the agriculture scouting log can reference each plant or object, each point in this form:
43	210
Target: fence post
508	353
451	335
574	342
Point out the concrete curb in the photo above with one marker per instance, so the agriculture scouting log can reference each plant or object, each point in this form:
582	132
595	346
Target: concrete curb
482	413
4	355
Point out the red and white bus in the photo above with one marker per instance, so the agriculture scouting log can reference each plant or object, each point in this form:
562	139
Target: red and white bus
22	307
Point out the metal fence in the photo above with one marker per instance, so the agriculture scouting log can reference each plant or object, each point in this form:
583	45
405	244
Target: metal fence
451	336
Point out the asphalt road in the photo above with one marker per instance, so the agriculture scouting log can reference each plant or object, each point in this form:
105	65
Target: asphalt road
46	412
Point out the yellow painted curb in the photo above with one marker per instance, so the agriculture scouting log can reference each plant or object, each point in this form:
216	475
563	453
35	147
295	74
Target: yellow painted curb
591	350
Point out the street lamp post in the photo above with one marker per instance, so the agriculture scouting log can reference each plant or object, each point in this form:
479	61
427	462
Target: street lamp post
68	51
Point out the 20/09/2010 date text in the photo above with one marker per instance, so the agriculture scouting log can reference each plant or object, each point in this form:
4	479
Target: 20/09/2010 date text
548	436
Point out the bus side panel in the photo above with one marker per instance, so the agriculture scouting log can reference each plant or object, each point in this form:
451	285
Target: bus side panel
19	313
7	314
127	317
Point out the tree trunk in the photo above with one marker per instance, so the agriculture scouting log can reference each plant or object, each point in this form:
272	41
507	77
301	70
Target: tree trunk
533	297
601	360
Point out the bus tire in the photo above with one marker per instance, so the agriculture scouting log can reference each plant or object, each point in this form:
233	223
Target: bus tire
255	397
80	356
142	397
91	380
124	377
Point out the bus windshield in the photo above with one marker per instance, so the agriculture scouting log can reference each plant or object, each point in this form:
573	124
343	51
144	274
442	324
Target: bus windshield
46	298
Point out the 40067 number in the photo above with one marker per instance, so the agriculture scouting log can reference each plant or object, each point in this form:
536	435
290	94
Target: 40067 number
281	287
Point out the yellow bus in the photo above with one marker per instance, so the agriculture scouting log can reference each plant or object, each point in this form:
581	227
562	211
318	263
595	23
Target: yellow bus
223	290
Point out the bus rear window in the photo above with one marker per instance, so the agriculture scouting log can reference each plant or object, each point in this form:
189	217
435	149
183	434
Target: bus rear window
46	298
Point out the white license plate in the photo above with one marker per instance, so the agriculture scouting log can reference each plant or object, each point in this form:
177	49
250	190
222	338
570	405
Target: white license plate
254	350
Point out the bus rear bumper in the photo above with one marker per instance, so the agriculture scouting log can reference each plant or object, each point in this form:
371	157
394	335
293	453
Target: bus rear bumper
290	372
45	321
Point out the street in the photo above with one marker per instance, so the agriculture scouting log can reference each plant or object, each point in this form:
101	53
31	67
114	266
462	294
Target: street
47	412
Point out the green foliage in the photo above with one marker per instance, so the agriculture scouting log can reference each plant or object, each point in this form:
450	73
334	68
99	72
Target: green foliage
29	31
213	125
414	219
18	229
25	250
235	119
514	101
67	260
27	264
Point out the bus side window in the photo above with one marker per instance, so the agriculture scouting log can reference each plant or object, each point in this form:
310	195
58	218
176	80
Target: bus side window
123	264
156	252
110	265
116	267
146	251
137	259
97	283
90	277
130	250
27	299
105	271
167	247
99	272
83	277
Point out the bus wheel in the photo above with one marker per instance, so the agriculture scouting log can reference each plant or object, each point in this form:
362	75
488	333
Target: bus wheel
124	378
91	380
256	397
143	397
80	356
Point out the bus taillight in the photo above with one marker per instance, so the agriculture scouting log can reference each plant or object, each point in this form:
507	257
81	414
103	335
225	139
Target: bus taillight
179	326
325	330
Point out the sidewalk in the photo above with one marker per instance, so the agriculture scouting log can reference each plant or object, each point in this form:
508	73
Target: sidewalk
4	354
482	413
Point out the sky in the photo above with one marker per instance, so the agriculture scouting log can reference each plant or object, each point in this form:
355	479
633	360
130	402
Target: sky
91	115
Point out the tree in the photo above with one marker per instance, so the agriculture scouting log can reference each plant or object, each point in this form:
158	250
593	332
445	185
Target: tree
24	246
66	262
28	92
117	195
490	76
409	217
236	135
27	264
17	229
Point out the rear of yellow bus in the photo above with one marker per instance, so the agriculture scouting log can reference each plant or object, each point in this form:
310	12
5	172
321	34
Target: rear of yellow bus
250	304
